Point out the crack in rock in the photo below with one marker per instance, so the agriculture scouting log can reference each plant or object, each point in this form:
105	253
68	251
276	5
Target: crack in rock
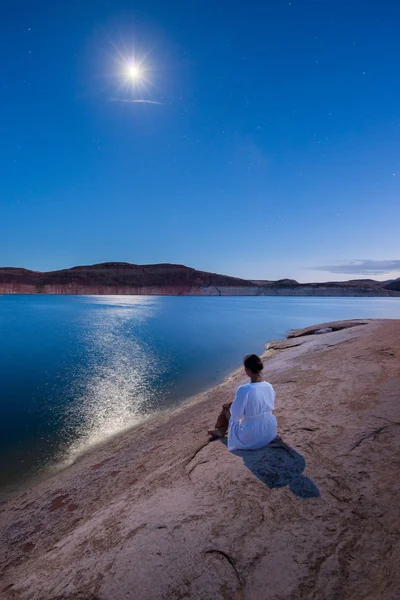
194	456
368	435
385	419
203	462
230	561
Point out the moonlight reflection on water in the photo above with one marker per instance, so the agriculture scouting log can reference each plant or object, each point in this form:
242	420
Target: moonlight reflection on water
117	384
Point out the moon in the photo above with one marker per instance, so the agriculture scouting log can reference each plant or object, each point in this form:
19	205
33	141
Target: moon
134	72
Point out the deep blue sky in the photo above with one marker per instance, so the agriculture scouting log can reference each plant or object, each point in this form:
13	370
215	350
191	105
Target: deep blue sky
271	145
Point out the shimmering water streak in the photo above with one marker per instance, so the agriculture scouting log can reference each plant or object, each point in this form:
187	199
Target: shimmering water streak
118	382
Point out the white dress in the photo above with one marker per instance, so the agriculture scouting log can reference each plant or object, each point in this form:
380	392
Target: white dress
252	424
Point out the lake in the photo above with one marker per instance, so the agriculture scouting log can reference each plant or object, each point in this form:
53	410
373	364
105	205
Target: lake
76	370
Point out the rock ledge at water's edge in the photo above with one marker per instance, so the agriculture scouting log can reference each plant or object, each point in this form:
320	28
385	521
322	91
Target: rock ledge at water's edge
161	513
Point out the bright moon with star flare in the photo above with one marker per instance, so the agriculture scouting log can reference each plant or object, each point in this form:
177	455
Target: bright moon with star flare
134	72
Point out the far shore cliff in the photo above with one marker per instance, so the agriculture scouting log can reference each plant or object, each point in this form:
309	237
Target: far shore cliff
162	513
174	280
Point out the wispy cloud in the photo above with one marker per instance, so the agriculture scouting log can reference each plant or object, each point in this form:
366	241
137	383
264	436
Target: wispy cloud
136	101
365	266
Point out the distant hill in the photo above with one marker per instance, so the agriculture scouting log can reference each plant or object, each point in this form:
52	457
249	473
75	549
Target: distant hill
393	285
114	278
174	280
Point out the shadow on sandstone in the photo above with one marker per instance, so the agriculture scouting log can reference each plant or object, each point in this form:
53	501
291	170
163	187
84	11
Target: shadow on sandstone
278	465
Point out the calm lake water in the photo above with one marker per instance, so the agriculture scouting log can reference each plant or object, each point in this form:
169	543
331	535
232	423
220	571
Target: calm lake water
75	370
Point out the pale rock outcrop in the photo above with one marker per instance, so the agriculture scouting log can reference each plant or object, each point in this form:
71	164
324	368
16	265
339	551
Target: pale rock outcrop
161	513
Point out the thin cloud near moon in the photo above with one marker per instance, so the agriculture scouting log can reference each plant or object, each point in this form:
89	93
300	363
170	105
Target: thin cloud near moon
136	101
369	267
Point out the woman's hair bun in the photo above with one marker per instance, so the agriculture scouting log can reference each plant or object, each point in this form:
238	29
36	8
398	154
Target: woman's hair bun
253	363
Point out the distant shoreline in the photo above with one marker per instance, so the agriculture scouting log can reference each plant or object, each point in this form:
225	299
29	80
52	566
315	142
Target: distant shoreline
175	280
222	292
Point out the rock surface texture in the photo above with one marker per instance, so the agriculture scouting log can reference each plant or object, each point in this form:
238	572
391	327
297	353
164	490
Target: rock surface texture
162	513
171	280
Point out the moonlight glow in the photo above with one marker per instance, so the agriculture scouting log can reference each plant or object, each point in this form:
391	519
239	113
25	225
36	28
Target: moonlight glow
132	77
134	72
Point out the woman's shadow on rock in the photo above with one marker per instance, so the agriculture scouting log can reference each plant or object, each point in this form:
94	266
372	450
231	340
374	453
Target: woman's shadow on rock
278	465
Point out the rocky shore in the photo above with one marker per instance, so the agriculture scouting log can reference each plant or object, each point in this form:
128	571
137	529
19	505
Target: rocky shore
162	513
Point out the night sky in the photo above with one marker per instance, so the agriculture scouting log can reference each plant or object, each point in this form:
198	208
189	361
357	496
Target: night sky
259	139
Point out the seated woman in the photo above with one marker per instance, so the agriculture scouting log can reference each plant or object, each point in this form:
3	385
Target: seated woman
249	419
